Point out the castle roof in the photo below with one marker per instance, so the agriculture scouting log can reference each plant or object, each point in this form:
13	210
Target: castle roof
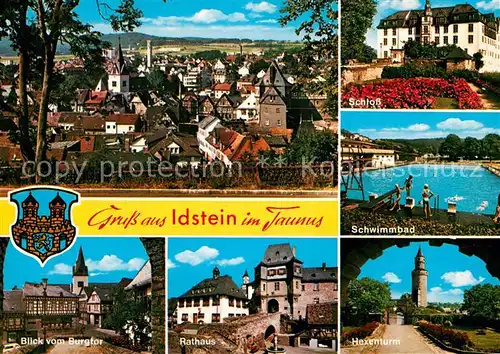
80	268
279	254
246	273
419	253
58	200
319	275
30	199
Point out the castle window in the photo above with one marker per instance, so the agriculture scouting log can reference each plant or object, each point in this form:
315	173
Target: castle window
385	41
445	40
113	83
455	28
445	29
437	29
393	31
297	284
316	287
471	39
436	40
410	30
394	41
471	27
216	317
385	32
276	286
426	29
455	39
184	317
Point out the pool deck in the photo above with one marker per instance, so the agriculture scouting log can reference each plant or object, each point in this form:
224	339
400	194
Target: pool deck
441	215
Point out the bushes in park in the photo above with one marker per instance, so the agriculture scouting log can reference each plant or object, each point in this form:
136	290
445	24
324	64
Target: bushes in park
360	332
459	340
413	93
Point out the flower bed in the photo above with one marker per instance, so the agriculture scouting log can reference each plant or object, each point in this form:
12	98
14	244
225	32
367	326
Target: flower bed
360	332
459	340
413	93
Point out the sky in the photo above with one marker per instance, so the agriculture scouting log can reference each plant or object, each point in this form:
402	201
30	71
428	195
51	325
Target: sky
388	7
106	262
208	19
447	280
419	125
190	260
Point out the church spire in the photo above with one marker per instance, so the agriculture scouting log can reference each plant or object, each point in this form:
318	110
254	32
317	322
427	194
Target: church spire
80	268
419	253
428	9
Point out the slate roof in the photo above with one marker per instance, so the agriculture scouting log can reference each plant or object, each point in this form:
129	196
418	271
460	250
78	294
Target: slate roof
278	254
319	275
458	53
187	143
271	96
223	285
80	268
446	12
34	289
13	301
142	278
323	314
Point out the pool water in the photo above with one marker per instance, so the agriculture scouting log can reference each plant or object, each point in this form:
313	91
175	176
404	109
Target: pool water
473	188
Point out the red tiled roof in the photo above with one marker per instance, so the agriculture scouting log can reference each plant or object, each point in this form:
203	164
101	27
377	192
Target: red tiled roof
97	97
223	87
123	119
94	123
87	143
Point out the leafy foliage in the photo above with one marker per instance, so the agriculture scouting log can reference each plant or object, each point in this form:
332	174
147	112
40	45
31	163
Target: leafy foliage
452	146
482	302
365	296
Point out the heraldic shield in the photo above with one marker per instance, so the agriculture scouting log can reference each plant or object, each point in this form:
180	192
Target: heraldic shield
43	228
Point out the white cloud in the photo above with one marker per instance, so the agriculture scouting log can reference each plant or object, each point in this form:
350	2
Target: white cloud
205	16
268	21
391	277
229	262
438	294
254	32
203	254
263	6
96	274
458	279
412	128
111	262
170	264
489	5
108	263
62	269
458	124
401	4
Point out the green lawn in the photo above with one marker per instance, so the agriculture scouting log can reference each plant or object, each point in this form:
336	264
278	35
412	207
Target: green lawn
489	341
446	103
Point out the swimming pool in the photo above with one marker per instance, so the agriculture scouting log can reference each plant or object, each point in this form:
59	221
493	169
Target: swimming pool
473	188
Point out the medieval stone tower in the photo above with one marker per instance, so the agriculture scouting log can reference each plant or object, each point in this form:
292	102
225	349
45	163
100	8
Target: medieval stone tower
419	281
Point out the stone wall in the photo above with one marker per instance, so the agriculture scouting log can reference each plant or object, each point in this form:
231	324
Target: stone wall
326	293
358	73
155	247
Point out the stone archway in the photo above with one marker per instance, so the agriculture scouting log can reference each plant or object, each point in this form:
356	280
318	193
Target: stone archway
155	248
273	306
269	332
355	252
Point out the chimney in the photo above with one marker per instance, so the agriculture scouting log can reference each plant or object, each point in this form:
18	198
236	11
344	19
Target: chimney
149	54
127	144
294	251
324	267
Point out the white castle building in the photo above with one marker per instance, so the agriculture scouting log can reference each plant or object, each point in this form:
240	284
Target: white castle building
462	25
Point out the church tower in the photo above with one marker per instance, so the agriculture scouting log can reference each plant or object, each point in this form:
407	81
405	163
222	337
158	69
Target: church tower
119	77
426	30
419	281
80	274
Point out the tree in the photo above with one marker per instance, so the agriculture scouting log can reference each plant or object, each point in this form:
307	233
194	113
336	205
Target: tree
471	148
255	68
478	61
318	147
210	55
407	307
482	302
319	54
128	313
491	146
451	147
58	22
157	81
366	296
357	19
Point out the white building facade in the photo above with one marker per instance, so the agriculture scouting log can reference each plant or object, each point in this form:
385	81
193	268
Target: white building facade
461	25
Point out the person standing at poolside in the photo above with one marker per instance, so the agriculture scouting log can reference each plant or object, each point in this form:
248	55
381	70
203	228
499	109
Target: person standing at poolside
398	199
496	218
409	185
426	196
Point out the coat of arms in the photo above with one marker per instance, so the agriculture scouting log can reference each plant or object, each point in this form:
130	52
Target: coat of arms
43	228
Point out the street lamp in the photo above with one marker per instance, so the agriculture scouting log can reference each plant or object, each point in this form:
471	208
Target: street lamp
44	312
